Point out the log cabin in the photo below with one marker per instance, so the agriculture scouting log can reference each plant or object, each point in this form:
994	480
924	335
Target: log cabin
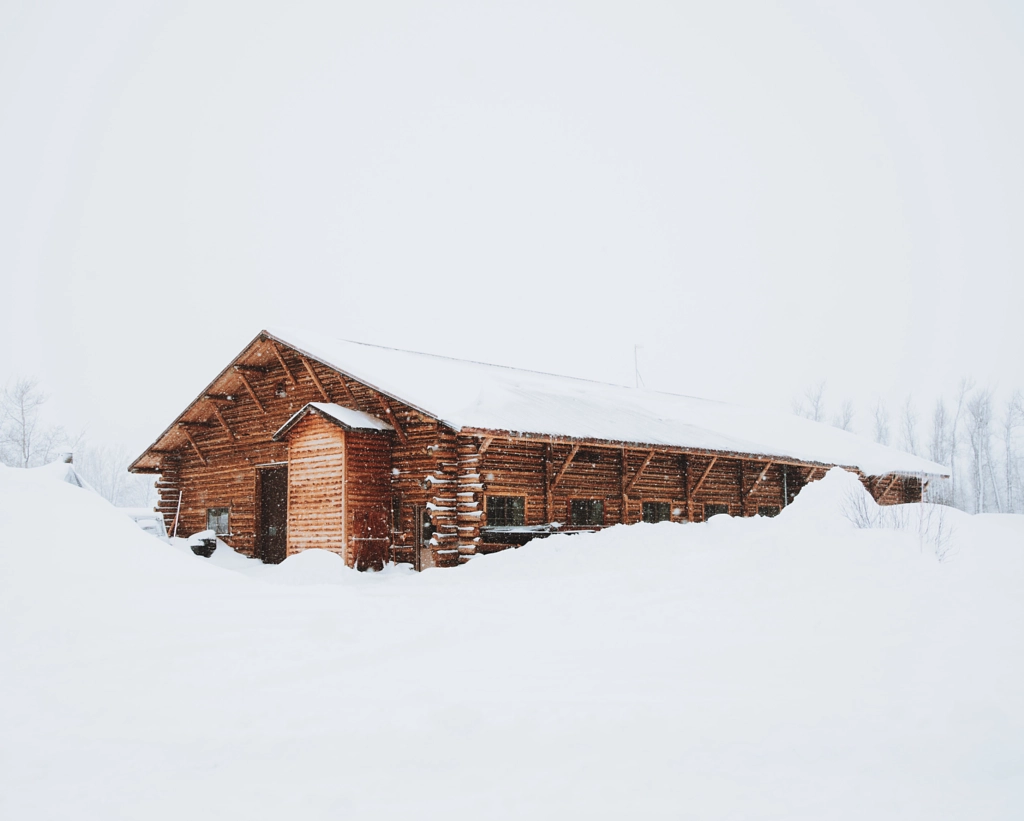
385	455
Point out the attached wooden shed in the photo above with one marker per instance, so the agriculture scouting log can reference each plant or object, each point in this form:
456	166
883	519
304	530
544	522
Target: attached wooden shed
383	455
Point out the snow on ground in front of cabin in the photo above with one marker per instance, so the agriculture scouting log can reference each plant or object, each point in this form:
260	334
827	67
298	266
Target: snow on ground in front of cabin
788	668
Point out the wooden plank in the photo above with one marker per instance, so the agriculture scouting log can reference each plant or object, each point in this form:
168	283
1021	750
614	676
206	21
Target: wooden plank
284	365
261	369
810	475
316	379
758	480
195	446
640	470
393	419
348	392
222	420
565	466
707	472
252	392
484	445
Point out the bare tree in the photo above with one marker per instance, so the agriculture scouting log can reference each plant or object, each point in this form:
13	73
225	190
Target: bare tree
938	446
881	423
105	467
979	438
812	404
908	427
843	419
963	390
1013	419
25	441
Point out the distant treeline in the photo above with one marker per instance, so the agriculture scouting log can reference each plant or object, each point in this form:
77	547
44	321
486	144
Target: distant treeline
27	440
976	431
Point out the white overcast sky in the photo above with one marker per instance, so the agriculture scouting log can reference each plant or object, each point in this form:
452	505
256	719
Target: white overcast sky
761	195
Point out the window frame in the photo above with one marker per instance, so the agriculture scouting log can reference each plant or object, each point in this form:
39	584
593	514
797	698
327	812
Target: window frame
667	503
727	511
487	511
592	501
227	520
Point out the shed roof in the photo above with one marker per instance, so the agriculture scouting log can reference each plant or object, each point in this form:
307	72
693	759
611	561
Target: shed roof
344	417
475	395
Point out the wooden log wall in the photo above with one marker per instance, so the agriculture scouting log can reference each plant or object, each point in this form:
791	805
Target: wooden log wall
316	487
367	489
213	453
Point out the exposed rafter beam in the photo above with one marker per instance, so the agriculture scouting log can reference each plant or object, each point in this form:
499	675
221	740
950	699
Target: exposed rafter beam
348	391
186	424
222	420
316	379
253	368
486	443
565	466
195	446
220	397
810	475
758	480
636	476
284	365
704	475
392	419
251	390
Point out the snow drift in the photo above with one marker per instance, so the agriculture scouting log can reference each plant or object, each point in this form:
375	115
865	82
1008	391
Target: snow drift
816	665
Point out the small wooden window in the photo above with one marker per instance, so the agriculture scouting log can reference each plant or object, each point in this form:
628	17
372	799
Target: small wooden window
657	512
714	509
586	512
217	520
768	510
506	511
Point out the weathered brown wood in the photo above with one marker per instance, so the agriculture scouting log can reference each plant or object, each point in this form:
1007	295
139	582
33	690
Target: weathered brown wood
252	392
222	420
316	379
565	466
758	480
284	365
486	443
393	419
349	395
639	470
261	369
704	476
195	445
185	423
810	475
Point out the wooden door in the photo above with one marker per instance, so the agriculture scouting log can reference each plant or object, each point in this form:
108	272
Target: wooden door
272	539
423	529
370	537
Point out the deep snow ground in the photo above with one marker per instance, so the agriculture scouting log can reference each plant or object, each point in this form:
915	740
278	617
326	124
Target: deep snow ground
795	668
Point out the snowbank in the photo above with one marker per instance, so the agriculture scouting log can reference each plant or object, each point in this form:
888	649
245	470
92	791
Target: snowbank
801	667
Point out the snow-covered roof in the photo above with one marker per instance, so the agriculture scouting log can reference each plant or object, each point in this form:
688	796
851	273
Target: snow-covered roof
346	417
466	394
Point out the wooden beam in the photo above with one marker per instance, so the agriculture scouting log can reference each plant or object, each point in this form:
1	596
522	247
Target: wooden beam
284	365
707	472
565	466
810	475
192	441
316	379
187	424
251	390
222	420
640	470
393	419
758	480
253	368
349	394
220	397
486	443
888	487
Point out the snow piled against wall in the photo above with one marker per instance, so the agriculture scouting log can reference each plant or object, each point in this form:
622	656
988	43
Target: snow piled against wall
797	667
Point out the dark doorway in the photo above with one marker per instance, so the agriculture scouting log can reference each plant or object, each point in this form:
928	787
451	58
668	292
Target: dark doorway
423	530
271	540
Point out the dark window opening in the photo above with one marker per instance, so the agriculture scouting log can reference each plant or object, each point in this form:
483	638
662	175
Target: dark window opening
586	512
217	520
714	509
768	510
657	512
506	511
427	528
